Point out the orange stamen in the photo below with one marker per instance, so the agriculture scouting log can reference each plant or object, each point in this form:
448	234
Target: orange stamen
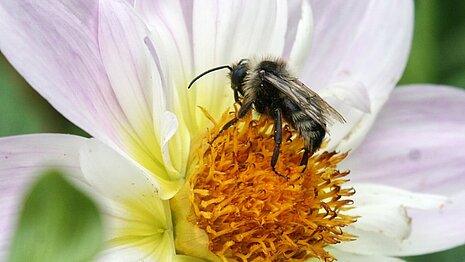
251	214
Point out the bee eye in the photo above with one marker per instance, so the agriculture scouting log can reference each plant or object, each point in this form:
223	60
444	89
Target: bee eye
238	74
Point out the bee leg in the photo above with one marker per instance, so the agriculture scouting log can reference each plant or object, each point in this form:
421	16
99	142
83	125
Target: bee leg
236	97
242	112
305	157
318	133
278	137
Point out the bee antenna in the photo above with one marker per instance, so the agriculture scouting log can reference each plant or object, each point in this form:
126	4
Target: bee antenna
209	71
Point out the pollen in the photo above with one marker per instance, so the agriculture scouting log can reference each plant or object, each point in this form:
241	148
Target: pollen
252	214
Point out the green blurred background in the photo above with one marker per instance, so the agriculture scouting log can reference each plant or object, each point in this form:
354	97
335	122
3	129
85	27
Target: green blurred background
438	56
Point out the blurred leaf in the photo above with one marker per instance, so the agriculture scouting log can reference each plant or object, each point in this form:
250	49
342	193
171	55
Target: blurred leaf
457	79
24	111
453	255
18	116
453	44
452	39
57	223
422	64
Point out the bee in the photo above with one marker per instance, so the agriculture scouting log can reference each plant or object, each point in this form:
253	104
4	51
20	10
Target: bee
268	86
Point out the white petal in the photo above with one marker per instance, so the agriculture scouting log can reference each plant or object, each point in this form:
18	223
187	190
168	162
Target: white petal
22	159
183	258
130	252
172	50
137	82
390	221
302	42
137	229
436	230
353	257
168	19
120	178
354	104
353	94
378	194
144	249
138	221
226	31
367	41
360	42
173	134
169	125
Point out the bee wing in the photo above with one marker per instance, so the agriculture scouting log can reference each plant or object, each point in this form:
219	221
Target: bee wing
307	100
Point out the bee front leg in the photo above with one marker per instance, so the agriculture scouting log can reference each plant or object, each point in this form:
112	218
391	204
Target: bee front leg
236	97
278	137
242	112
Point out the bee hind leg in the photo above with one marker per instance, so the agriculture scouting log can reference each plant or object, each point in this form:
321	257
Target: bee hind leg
278	137
318	133
305	157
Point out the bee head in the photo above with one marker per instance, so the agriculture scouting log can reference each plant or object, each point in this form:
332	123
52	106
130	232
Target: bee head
238	73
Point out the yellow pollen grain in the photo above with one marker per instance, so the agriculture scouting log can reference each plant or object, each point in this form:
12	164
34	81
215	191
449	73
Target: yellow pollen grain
251	214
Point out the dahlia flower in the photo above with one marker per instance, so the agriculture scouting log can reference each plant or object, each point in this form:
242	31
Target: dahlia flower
120	69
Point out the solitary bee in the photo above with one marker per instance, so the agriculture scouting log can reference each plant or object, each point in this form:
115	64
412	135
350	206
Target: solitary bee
268	86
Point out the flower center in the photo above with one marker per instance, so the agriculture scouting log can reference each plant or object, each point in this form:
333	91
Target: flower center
251	213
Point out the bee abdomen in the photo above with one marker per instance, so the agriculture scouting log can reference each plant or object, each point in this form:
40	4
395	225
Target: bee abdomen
307	125
311	132
302	120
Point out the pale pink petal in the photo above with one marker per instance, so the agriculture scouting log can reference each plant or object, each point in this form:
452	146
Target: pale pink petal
363	42
416	143
54	46
91	62
22	159
129	65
